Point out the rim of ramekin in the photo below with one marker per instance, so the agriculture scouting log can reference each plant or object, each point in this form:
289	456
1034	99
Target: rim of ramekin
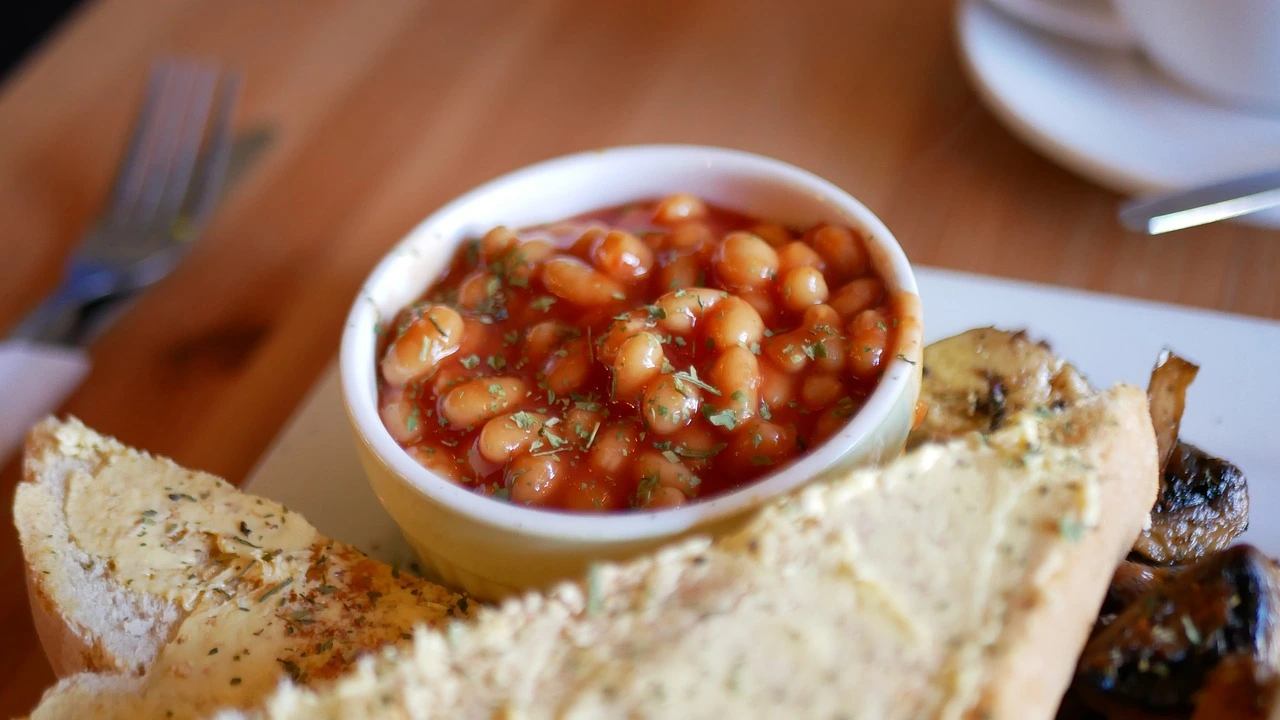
358	367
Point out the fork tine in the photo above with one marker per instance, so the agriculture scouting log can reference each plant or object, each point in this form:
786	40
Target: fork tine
190	133
129	176
211	170
159	158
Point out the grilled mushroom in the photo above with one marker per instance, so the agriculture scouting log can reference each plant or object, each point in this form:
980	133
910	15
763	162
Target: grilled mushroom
1157	655
1238	689
978	379
1203	505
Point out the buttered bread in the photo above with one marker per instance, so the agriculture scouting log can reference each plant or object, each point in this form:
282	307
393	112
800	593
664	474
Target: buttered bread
961	581
160	592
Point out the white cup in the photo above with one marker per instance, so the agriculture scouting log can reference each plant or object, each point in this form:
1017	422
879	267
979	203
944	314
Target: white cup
1225	50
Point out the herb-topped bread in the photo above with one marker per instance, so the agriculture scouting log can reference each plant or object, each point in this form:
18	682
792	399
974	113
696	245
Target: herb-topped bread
960	581
163	592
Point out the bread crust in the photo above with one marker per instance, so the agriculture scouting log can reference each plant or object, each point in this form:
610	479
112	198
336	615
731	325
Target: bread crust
70	595
1126	457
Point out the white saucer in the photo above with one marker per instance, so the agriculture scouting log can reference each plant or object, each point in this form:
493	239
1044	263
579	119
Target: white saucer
1106	114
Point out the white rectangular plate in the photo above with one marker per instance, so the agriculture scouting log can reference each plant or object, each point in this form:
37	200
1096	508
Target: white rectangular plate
1232	409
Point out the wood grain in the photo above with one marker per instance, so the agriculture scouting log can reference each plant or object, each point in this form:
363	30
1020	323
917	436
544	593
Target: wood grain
385	110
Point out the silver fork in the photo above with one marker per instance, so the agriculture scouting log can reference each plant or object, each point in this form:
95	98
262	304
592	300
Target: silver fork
162	196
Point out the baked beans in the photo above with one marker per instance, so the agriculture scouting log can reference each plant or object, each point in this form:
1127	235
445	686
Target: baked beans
641	357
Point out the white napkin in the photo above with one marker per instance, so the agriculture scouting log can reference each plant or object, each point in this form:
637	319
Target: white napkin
34	380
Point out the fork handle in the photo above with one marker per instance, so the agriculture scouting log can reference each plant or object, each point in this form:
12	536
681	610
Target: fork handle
34	380
59	317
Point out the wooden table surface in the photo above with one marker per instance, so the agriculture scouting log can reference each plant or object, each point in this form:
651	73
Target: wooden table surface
383	111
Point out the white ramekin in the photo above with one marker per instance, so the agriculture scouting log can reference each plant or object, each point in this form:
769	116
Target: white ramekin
492	548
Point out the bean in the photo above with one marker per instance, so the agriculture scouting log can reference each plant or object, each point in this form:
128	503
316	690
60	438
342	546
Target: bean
575	281
654	469
567	368
639	360
675	209
622	256
797	255
496	243
665	409
793	351
665	497
437	460
508	435
433	336
736	373
401	415
475	401
580	425
734	322
449	376
544	338
802	287
521	263
787	350
856	296
743	260
777	387
762	301
533	479
590	495
681	309
698	445
764	444
614	447
834	418
773	233
819	391
618	332
477	337
843	251
677	272
868	336
690	237
586	241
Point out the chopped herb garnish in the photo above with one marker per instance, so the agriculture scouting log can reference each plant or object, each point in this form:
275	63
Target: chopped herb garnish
524	420
700	454
275	589
592	439
723	418
692	378
1071	530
